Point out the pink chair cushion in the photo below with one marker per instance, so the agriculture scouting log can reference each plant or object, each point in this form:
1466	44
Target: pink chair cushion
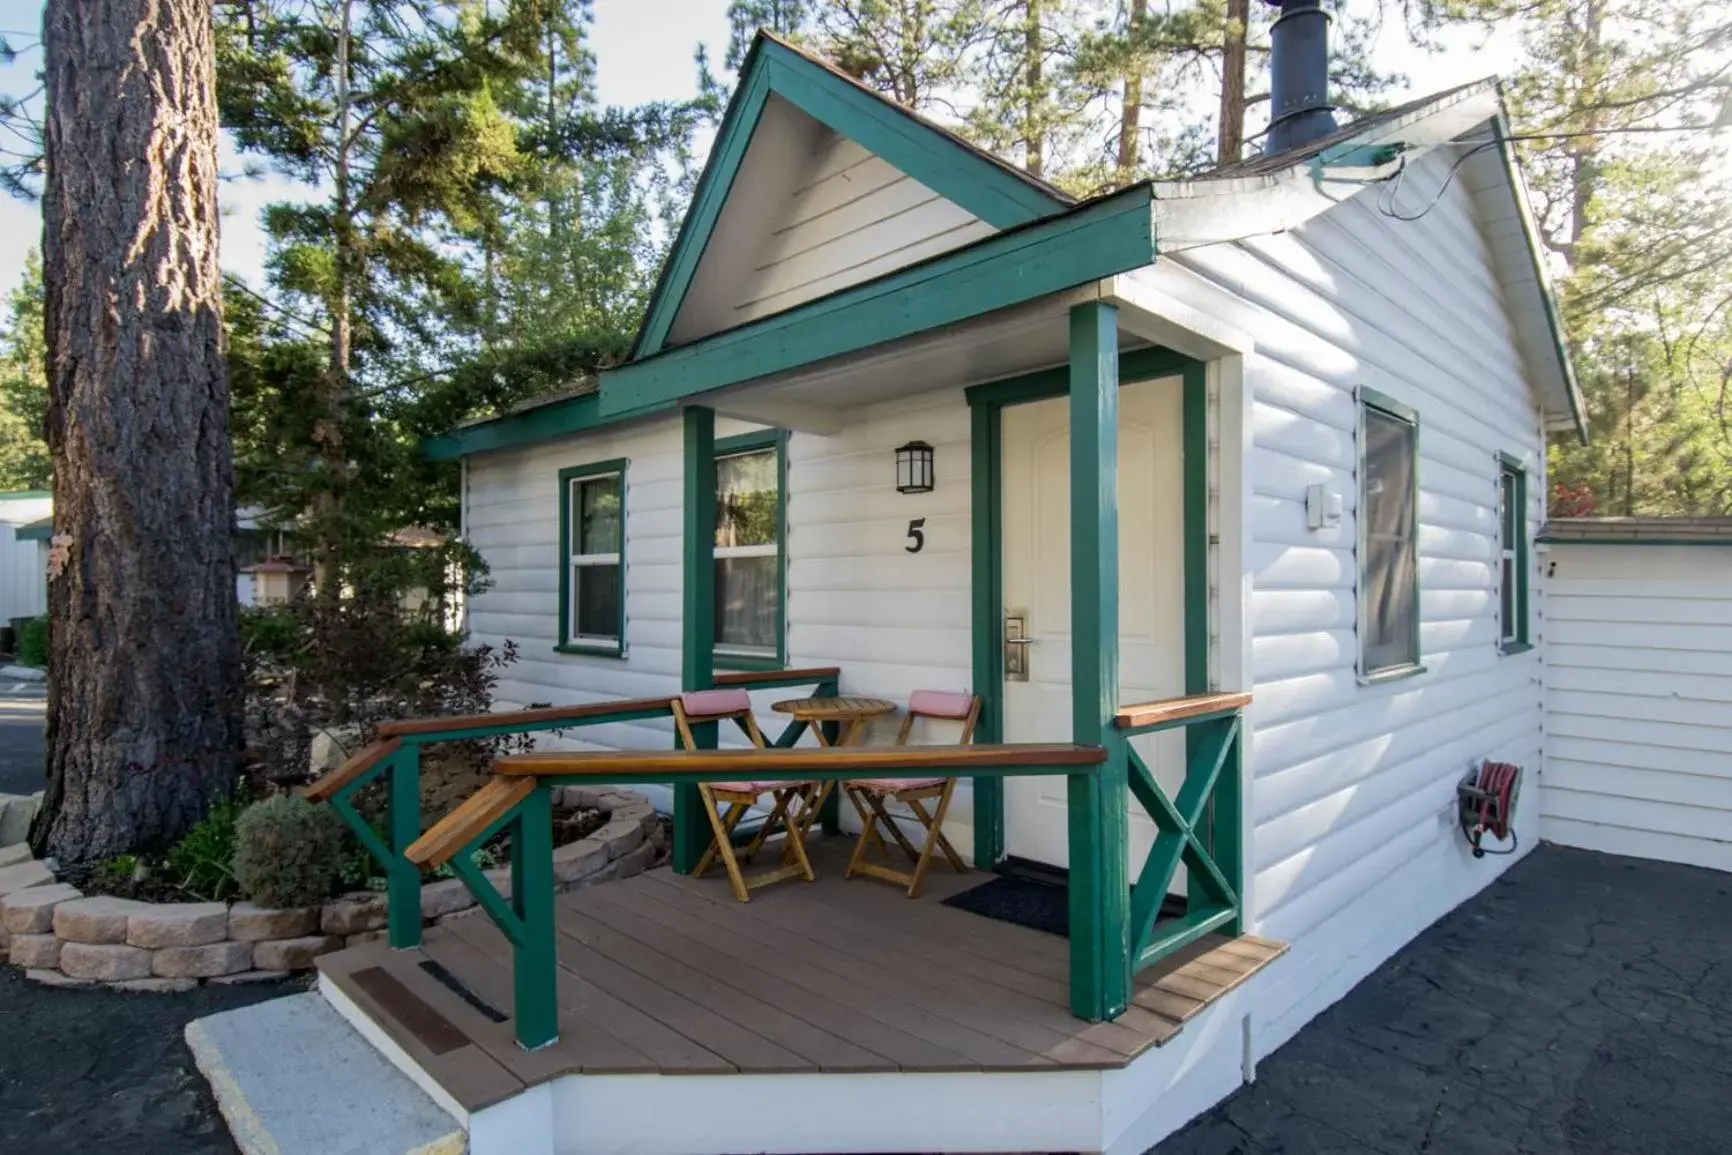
940	703
753	787
892	785
711	703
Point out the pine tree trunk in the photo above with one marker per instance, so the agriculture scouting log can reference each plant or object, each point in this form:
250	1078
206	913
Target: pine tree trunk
144	668
1033	97
1131	111
1230	139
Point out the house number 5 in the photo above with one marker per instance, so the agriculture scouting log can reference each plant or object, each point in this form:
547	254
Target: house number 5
916	534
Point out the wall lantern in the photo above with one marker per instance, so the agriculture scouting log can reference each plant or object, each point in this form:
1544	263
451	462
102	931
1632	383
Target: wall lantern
914	468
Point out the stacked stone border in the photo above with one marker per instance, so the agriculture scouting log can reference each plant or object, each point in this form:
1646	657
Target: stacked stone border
63	938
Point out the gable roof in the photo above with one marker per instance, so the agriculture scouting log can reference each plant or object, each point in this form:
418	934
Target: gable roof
1274	193
997	193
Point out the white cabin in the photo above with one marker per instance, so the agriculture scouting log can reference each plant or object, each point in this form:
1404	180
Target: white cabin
1327	377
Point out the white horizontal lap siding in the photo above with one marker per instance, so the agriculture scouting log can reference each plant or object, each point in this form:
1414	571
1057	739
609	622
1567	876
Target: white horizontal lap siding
512	515
852	217
1639	701
1354	847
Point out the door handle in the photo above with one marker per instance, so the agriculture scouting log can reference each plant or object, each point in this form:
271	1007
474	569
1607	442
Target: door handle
1020	641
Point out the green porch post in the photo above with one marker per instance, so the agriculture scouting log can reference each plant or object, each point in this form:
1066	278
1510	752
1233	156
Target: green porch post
988	614
402	880
534	954
698	611
1099	819
1195	432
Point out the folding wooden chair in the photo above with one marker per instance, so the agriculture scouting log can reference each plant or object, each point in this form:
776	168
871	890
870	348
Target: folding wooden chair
870	794
740	797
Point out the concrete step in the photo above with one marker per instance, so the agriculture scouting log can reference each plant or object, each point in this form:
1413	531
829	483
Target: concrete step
17	812
292	1078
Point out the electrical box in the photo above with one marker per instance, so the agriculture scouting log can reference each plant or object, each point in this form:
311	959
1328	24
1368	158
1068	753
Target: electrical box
1322	507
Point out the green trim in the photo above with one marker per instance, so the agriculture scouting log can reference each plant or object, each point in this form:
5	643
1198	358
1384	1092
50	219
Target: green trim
1099	819
987	601
1111	235
599	648
1134	365
543	423
754	442
992	192
698	611
24	494
35	531
1512	467
1542	276
1370	398
1195	442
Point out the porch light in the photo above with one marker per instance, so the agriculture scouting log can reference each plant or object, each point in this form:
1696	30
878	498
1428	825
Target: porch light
914	468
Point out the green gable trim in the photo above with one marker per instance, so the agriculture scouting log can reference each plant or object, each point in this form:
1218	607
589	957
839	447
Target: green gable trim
556	419
956	172
1109	236
35	531
1554	318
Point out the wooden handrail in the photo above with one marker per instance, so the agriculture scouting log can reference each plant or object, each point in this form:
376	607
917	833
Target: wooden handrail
358	764
778	677
790	764
460	827
421	726
1177	709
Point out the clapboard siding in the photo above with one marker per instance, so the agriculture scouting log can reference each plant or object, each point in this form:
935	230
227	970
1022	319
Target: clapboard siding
1639	751
1353	849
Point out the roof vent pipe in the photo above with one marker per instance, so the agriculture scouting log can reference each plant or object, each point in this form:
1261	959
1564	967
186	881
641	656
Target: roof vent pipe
1300	111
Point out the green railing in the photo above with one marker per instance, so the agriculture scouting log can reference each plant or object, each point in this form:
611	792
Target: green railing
1200	827
395	757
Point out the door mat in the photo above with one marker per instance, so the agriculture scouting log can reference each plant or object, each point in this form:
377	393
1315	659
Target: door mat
1036	903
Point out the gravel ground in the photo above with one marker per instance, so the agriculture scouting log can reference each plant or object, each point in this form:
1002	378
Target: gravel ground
1580	1006
94	1070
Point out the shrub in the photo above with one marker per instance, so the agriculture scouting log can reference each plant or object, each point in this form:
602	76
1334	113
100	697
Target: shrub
288	852
201	863
33	643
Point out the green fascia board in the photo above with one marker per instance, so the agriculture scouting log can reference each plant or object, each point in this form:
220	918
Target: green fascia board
1554	317
26	494
1112	235
948	167
35	531
544	422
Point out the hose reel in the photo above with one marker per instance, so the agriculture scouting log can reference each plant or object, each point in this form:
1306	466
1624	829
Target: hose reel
1486	801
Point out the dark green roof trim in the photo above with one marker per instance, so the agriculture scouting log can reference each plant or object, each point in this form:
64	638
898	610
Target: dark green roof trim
556	419
25	494
1099	239
1554	318
991	191
36	531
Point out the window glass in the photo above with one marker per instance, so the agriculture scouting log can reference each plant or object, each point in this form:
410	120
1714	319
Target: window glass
595	534
1512	573
748	570
1390	578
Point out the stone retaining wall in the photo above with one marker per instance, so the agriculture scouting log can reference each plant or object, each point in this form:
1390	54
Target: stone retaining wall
64	938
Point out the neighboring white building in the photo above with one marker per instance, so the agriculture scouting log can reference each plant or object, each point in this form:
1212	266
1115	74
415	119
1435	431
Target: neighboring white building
23	576
1338	367
1639	679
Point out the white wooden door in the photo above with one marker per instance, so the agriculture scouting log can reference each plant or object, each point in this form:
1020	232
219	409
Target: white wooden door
1036	478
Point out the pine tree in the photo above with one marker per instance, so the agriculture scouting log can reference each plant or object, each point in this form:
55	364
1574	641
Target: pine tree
914	51
24	462
144	671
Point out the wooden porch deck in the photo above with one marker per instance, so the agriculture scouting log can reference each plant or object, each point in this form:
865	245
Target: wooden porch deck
663	974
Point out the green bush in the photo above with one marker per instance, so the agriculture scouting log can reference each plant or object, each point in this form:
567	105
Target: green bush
288	852
201	862
33	643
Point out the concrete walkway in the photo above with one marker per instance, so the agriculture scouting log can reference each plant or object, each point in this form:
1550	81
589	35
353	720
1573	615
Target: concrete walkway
1582	1005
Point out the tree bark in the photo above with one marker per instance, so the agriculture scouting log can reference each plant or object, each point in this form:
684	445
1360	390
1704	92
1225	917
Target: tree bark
1033	102
1230	139
144	666
1131	111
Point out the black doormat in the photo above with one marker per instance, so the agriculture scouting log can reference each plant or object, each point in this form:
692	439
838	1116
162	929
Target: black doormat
1037	903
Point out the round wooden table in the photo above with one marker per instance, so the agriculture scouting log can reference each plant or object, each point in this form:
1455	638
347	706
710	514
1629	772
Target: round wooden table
850	714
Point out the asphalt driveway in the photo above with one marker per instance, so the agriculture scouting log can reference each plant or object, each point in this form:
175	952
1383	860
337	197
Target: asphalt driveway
22	751
1582	1005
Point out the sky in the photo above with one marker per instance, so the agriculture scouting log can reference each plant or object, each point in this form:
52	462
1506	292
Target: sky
644	52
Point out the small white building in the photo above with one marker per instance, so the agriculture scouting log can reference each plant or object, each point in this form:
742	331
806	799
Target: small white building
23	551
1284	423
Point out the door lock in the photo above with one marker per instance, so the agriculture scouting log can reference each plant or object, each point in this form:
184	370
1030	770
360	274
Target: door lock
1016	643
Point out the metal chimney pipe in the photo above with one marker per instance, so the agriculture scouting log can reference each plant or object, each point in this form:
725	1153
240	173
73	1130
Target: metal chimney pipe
1300	111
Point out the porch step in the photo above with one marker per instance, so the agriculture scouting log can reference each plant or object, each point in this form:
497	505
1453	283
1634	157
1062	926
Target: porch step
292	1078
